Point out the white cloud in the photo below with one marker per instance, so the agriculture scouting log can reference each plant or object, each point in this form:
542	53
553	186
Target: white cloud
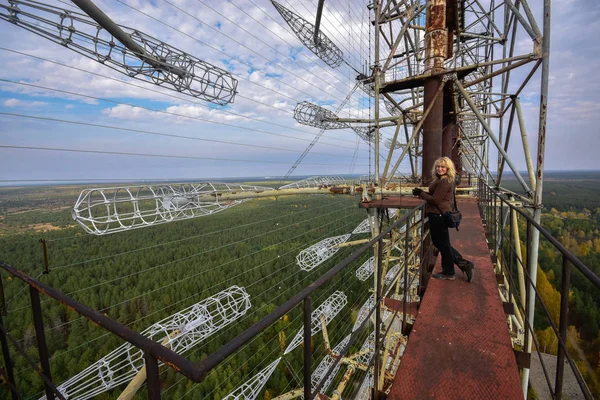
21	103
275	72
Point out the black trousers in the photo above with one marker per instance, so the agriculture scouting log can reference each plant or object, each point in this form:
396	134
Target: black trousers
441	239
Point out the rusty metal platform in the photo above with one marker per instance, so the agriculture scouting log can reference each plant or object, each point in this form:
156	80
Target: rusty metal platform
459	347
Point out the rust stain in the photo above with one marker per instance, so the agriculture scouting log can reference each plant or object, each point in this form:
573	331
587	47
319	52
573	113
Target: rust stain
436	16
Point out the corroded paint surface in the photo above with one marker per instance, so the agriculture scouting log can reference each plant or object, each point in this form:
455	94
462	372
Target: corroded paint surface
436	36
459	347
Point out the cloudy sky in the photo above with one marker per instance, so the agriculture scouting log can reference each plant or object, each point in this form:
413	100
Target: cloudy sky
67	117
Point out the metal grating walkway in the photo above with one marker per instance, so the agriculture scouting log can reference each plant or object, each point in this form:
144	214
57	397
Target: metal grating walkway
459	347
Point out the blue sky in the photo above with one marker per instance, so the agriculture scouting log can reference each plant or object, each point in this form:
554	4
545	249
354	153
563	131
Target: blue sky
256	135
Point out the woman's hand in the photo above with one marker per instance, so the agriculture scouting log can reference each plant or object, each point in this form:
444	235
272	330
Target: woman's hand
417	191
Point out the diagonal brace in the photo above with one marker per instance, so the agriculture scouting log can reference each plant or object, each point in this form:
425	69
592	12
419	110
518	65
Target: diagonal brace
487	128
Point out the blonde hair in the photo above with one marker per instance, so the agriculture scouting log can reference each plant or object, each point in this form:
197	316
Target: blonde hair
444	162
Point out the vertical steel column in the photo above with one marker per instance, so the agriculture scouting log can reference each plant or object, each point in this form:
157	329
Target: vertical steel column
511	252
405	297
528	300
448	138
495	220
7	361
523	130
45	248
519	253
41	338
436	47
506	143
488	208
378	293
376	230
377	87
307	347
432	129
318	21
436	36
2	298
153	380
423	265
537	212
564	313
501	228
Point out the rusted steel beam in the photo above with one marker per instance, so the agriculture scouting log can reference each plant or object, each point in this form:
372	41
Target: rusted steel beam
509	308
452	18
563	325
436	36
436	50
34	365
40	336
432	129
523	359
45	248
416	81
153	380
9	375
307	346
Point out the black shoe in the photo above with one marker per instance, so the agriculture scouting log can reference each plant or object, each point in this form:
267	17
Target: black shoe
444	277
469	269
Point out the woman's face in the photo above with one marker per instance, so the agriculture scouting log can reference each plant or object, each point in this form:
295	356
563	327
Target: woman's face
441	170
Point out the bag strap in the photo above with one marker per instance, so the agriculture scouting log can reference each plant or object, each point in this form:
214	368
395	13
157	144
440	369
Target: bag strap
454	191
455	205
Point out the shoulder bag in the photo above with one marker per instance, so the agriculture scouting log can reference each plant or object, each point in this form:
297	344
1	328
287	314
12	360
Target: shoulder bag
452	217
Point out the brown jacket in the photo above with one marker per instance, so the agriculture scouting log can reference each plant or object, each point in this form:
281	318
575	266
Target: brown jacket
441	194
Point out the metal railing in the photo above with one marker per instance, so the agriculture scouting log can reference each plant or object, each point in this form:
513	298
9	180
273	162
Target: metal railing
499	215
411	221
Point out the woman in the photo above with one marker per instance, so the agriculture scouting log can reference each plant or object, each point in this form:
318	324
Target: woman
439	200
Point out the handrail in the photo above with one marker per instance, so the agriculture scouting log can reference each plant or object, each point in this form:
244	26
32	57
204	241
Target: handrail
169	357
585	270
489	196
195	371
215	358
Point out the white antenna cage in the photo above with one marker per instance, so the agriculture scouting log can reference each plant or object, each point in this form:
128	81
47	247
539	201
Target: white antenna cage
251	389
315	182
329	309
315	255
366	270
102	211
180	332
365	310
325	365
